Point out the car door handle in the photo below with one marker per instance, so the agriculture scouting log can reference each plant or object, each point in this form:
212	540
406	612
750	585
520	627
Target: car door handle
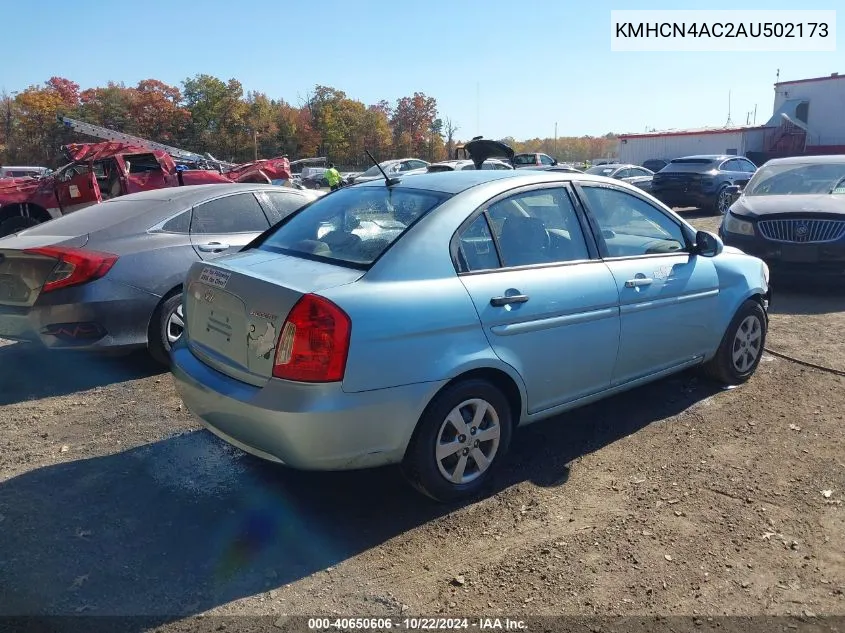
213	247
639	281
508	299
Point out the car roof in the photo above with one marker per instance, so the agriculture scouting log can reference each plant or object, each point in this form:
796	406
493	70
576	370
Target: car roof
454	182
707	156
192	193
803	160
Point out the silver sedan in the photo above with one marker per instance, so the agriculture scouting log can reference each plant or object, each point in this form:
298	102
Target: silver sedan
110	276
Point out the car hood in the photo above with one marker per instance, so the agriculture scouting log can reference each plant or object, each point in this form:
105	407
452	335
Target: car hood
756	206
481	149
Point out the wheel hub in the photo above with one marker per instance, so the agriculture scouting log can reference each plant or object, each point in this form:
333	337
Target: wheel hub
468	441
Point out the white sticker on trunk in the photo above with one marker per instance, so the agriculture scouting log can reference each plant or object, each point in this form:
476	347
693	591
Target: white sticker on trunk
262	344
74	191
214	277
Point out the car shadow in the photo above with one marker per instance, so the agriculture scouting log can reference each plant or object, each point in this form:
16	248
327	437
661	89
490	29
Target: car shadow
186	524
797	298
28	372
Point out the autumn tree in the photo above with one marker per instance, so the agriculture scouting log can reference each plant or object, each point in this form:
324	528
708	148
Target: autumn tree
37	134
413	124
156	112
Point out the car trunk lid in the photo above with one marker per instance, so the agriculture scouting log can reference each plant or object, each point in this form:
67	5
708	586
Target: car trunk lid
236	307
480	149
23	273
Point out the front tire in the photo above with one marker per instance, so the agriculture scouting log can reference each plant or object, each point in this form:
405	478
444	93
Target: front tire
742	346
459	441
166	327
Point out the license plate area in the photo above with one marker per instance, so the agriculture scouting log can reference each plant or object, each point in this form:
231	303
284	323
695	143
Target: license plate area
800	253
217	321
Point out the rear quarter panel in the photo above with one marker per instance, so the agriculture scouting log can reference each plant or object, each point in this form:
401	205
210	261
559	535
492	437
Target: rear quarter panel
156	262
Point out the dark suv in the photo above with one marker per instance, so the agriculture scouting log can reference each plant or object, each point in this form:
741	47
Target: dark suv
701	181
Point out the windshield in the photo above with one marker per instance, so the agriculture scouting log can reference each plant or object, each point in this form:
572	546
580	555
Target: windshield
601	171
353	226
798	179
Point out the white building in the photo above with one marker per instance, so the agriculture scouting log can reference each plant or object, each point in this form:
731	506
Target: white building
820	105
638	148
808	117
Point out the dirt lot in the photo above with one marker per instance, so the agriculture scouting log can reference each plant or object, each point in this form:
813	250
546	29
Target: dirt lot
676	498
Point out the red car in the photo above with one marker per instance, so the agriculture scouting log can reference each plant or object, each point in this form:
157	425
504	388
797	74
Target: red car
100	171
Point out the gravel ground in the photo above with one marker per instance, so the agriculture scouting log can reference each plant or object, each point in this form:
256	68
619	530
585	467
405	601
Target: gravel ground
675	498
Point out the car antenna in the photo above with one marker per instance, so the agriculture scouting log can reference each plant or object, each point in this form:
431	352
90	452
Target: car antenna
388	181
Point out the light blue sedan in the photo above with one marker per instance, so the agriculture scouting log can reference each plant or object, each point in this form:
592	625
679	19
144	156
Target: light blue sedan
420	320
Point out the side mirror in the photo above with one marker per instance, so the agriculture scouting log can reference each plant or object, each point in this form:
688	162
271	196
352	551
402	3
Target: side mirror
707	244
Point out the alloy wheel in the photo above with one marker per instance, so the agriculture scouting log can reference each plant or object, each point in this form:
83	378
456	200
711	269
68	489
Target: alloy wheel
468	441
747	344
175	325
724	202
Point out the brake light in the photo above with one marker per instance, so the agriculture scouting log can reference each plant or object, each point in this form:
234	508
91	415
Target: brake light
75	266
314	342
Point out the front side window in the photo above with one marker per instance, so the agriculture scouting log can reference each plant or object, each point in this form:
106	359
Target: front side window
353	226
630	226
748	166
546	160
239	213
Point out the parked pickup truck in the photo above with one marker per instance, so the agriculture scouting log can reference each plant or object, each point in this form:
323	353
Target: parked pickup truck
100	171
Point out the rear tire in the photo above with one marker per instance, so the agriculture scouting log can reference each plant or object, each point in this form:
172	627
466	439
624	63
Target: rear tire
166	327
17	223
459	441
742	346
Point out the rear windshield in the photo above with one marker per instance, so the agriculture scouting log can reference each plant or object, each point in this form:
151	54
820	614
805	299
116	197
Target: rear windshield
375	171
524	159
692	161
798	179
601	171
352	226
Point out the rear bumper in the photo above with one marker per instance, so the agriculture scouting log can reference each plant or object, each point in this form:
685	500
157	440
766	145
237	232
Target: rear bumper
99	315
679	198
304	426
793	260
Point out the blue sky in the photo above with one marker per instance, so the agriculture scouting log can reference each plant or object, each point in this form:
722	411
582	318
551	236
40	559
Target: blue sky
497	68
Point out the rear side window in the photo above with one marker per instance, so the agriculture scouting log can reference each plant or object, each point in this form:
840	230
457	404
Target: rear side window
141	163
524	159
282	204
178	224
239	213
534	227
353	226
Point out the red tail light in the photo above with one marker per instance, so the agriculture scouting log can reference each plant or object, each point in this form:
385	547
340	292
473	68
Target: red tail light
314	342
75	266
